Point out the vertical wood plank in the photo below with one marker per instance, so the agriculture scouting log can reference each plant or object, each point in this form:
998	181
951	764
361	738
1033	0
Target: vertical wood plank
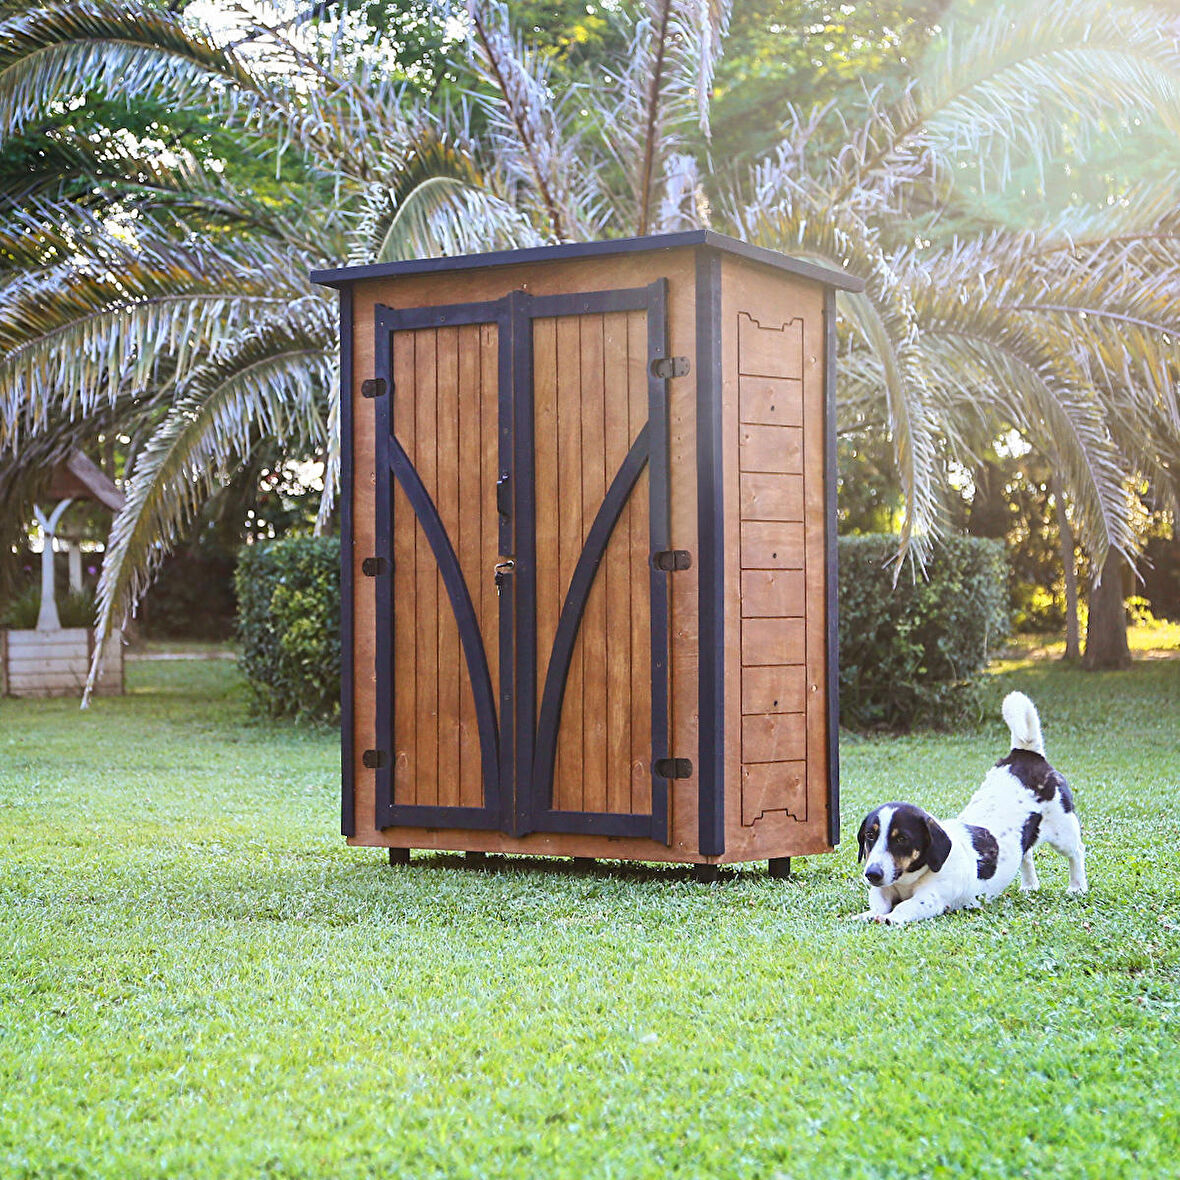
637	509
546	498
405	598
593	633
484	588
468	549
426	569
451	667
617	572
569	771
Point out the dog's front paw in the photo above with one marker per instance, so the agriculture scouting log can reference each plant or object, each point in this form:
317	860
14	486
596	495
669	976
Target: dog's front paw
867	916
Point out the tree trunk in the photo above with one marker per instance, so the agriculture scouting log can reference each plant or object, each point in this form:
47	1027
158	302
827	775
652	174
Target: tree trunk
1073	634
1106	630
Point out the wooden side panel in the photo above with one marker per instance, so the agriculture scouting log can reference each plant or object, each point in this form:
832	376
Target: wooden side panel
590	390
444	410
774	414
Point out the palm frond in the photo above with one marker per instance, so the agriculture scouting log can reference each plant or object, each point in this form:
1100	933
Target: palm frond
50	52
532	136
270	381
79	333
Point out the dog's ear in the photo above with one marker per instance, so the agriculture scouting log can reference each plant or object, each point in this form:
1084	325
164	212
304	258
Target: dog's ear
860	837
940	844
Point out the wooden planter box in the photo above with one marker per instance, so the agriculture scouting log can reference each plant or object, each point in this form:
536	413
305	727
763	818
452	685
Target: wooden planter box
589	552
56	663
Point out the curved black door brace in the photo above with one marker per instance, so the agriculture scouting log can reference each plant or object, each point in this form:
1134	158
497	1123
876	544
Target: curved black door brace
570	619
464	608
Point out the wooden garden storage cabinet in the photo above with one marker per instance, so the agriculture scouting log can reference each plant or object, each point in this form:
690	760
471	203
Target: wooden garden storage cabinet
588	515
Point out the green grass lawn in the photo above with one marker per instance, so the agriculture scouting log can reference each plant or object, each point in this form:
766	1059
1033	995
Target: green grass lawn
198	978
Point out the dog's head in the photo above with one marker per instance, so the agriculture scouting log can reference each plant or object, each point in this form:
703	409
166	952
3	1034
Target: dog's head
899	838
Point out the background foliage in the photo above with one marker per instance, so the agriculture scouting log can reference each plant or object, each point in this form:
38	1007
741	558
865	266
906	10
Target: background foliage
913	653
289	625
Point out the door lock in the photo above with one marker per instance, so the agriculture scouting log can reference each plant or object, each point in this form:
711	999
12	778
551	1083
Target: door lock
503	568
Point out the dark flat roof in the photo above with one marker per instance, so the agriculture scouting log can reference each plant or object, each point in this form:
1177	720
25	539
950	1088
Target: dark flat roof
342	276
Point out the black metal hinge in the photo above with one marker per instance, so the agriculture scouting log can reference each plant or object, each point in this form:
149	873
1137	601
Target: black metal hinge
672	559
373	759
371	567
670	366
373	388
674	767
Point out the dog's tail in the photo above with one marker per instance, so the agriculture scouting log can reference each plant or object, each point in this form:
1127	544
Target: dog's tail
1021	715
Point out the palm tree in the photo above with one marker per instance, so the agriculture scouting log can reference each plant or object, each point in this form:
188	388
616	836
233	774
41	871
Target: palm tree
183	311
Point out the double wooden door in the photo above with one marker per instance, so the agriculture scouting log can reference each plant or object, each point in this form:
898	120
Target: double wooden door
522	558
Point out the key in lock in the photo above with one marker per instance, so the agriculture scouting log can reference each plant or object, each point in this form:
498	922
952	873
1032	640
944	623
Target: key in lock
503	568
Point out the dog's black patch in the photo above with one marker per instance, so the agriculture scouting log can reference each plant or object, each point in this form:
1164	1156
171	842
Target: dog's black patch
1065	793
1033	773
1030	832
987	850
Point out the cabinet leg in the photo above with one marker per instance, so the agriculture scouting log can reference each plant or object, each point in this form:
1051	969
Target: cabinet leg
705	874
780	867
399	856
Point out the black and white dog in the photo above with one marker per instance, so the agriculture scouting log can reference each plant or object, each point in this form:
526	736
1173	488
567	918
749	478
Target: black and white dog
918	867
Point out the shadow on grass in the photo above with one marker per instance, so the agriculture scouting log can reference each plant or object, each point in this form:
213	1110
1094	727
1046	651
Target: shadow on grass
562	867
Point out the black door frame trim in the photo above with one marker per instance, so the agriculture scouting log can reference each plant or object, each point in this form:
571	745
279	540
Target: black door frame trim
392	461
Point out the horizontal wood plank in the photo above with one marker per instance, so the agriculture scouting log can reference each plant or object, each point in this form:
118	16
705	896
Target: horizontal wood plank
772	349
774	689
23	665
772	401
771	497
769	787
772	545
774	737
771	448
773	594
773	641
70	637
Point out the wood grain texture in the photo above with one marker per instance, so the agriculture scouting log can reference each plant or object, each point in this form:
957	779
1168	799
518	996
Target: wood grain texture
774	737
616	572
774	366
772	544
769	787
592	636
590	382
773	641
771	448
773	594
636	523
569	772
441	402
769	347
451	666
766	496
774	689
770	401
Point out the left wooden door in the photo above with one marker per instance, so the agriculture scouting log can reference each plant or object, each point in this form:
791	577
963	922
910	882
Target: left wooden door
442	434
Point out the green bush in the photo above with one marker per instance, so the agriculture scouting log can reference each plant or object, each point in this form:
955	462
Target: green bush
289	625
911	654
73	609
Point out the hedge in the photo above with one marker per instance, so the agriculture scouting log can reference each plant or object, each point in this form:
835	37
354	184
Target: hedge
289	625
912	653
